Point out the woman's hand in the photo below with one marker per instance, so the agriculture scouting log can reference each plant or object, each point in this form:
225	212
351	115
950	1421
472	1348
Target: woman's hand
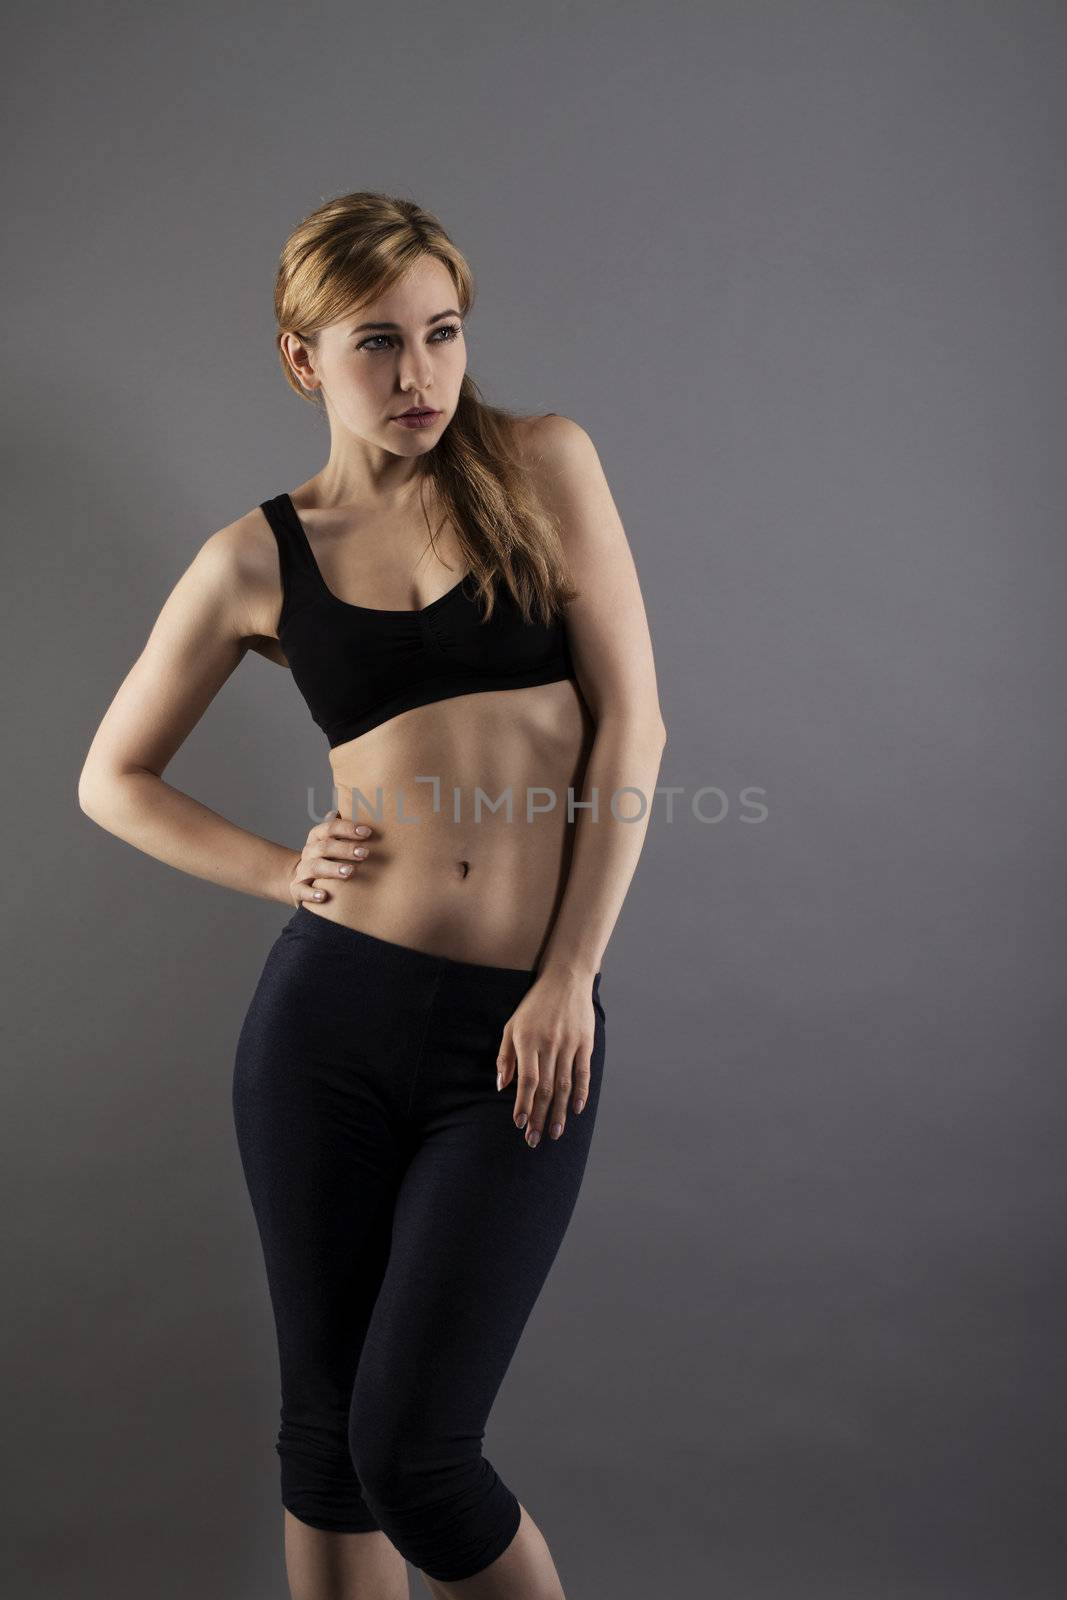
334	849
547	1043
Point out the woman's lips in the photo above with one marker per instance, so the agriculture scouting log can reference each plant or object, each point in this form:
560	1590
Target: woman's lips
422	420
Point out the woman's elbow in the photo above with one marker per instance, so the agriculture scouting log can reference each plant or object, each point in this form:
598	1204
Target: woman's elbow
90	792
97	793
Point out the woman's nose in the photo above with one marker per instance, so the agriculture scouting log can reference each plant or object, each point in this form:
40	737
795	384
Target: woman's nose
415	370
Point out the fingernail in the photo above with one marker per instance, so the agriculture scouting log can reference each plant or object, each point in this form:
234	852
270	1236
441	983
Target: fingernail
344	871
317	895
500	1080
360	851
362	831
533	1138
578	1104
520	1120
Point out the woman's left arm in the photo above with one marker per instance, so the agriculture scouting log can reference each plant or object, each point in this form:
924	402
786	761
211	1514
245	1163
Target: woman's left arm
611	648
612	651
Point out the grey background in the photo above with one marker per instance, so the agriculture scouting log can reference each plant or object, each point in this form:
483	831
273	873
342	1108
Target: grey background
799	271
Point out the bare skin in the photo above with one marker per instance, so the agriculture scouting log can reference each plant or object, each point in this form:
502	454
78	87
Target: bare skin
366	1566
342	1566
444	871
538	891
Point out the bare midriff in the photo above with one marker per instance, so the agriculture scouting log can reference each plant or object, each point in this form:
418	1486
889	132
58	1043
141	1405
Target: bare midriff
451	870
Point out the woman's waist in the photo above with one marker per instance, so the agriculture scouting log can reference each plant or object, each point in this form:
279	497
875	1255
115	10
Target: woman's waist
453	896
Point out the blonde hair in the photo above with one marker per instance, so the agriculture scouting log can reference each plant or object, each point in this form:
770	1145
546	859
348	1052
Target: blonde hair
349	251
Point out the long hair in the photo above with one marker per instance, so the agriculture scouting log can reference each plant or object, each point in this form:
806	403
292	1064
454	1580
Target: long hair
354	248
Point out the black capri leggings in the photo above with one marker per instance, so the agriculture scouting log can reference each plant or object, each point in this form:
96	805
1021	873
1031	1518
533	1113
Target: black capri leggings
407	1229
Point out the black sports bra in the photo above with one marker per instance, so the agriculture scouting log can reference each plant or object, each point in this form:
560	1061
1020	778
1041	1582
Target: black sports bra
357	666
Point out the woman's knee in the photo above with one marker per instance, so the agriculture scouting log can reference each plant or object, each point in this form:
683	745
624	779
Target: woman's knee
381	1442
394	1462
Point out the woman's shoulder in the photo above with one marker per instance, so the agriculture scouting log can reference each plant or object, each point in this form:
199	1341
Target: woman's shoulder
549	442
548	430
246	550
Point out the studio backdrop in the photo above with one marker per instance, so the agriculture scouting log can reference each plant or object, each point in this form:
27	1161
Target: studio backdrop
797	270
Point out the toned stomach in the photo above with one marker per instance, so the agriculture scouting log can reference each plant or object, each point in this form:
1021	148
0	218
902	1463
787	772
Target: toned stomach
450	870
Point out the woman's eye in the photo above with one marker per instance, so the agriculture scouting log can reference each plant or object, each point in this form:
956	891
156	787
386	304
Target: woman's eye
450	328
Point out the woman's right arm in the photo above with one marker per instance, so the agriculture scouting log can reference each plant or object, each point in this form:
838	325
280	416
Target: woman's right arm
201	635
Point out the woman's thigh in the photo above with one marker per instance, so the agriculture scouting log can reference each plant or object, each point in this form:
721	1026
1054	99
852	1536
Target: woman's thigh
478	1220
321	1074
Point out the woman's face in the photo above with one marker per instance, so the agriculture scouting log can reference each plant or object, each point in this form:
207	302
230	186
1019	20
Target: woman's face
370	373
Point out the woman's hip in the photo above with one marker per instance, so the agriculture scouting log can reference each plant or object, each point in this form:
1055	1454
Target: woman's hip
338	1010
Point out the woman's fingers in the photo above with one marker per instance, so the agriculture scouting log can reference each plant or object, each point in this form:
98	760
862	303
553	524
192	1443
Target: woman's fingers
549	1077
582	1072
341	845
549	1086
334	848
527	1078
505	1060
334	866
344	839
304	883
542	1097
556	1109
301	885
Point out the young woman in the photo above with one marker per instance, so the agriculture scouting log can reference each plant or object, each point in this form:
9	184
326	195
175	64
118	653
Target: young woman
417	1076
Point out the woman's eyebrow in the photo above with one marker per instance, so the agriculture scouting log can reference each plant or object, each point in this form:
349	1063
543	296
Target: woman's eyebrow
364	326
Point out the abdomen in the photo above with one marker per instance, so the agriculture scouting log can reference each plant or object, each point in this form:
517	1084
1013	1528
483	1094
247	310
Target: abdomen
473	876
